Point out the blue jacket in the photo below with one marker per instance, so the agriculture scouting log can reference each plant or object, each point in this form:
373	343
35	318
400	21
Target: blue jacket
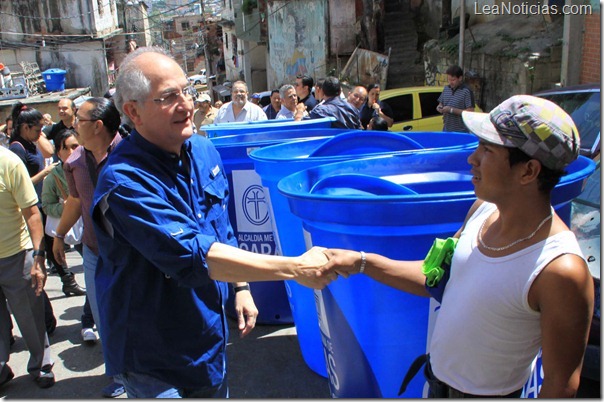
156	215
347	116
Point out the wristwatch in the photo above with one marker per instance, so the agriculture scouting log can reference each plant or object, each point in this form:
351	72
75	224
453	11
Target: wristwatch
240	288
40	253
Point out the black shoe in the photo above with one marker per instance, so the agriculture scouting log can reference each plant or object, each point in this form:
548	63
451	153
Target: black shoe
6	375
46	378
70	286
50	328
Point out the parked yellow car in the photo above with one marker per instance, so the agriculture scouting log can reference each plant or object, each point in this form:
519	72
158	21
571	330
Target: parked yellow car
414	108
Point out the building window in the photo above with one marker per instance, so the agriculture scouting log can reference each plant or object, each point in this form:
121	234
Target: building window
226	40
185	25
101	6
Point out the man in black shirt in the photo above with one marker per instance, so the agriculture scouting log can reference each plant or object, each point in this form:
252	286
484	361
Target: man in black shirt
67	110
304	85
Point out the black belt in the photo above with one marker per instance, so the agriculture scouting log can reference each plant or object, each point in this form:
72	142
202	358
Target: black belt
439	389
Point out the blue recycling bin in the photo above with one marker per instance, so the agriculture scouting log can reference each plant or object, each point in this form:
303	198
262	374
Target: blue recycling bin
250	215
371	333
235	128
54	78
273	163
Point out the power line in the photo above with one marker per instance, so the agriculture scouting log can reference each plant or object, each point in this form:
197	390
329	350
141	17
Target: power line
109	5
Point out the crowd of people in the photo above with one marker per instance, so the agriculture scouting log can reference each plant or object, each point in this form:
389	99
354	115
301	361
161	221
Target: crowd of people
160	255
303	99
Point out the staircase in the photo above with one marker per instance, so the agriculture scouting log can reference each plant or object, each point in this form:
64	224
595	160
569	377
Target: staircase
406	65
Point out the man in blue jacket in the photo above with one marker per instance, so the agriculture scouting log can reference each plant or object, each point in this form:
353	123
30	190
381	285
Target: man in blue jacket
166	244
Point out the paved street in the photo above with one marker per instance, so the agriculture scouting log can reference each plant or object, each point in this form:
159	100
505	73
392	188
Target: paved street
265	364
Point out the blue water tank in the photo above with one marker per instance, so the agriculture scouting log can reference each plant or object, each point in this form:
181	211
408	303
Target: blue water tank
54	79
275	162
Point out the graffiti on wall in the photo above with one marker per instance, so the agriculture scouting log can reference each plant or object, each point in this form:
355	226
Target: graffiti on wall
296	65
433	76
366	67
297	40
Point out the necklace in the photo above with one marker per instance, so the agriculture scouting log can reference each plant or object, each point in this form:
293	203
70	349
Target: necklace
514	242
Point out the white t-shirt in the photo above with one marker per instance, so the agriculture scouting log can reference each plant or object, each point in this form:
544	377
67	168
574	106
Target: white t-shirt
250	112
486	335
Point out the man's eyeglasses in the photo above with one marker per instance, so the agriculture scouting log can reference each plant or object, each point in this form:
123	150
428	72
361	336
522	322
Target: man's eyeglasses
189	92
357	96
79	119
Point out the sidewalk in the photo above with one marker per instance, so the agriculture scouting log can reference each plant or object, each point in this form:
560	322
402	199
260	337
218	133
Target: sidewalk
265	364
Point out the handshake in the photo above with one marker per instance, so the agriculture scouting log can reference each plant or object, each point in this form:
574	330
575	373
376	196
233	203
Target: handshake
320	266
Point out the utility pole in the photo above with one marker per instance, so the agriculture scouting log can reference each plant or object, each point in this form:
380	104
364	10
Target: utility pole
206	52
462	32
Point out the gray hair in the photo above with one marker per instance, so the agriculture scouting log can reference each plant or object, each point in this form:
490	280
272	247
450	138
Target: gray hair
131	83
239	82
284	89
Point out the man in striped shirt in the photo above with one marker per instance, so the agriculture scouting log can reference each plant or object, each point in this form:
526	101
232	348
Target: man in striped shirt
456	98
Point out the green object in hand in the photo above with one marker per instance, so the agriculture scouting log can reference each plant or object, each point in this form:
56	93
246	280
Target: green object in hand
440	252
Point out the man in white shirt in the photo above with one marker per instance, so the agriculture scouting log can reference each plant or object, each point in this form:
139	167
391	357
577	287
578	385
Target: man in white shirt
239	109
289	103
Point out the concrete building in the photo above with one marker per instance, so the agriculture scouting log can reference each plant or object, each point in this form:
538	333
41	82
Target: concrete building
86	38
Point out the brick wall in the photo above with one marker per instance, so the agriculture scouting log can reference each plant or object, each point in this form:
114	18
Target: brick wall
590	70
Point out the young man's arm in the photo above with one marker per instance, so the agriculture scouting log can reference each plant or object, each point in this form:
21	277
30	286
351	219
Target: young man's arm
402	275
564	295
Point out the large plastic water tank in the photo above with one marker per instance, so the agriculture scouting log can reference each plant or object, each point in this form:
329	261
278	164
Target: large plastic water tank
275	162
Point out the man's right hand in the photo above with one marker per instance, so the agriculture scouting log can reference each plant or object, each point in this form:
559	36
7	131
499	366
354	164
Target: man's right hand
58	250
309	266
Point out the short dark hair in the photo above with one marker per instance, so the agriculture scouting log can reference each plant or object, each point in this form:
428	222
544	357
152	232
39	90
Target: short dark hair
105	110
274	91
378	124
320	82
307	81
548	178
62	137
455	71
331	87
372	86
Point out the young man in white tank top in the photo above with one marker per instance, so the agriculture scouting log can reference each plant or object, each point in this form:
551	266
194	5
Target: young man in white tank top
518	280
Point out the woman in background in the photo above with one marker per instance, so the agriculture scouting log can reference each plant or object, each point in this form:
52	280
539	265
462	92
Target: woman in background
54	194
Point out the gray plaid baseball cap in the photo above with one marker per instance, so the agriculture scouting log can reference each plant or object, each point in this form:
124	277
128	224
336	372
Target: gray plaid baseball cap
538	127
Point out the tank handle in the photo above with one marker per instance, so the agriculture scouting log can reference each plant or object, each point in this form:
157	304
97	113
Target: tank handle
358	184
365	142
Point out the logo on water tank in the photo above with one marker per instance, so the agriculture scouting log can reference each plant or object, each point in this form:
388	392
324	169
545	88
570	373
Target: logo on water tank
254	205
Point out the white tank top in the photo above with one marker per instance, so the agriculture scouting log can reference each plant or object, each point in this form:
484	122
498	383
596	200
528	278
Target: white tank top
486	334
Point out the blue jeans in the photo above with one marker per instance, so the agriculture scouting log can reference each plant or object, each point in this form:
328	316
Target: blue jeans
89	262
87	318
145	386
